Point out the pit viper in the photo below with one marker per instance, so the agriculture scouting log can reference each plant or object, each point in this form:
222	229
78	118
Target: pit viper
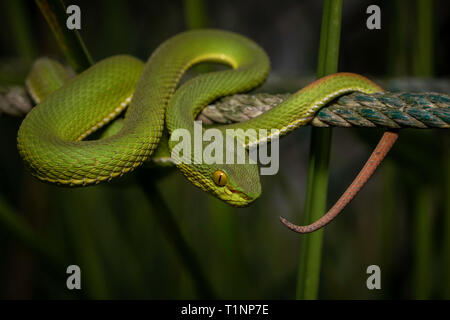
52	137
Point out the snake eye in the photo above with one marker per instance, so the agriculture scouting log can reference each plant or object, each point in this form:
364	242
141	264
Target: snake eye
220	178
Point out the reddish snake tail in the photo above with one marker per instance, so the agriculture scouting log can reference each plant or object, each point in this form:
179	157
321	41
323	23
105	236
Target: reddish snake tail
384	145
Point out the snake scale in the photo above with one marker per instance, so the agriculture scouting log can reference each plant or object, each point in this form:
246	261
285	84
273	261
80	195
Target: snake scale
52	141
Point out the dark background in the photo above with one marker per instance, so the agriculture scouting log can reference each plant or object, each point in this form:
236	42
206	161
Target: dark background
400	221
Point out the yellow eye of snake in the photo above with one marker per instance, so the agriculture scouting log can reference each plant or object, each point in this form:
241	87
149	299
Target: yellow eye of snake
220	178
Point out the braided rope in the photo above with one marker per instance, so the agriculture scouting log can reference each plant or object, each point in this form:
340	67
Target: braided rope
382	110
392	110
14	100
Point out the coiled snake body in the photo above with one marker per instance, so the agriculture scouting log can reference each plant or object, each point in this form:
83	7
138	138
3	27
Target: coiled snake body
51	138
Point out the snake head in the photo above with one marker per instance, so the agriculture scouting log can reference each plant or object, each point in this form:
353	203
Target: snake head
235	184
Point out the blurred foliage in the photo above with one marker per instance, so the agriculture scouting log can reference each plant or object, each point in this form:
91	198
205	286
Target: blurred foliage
113	232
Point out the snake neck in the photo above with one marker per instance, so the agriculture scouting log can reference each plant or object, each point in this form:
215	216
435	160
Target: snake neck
300	108
250	67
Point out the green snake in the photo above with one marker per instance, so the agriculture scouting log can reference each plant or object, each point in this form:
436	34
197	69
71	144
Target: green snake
52	141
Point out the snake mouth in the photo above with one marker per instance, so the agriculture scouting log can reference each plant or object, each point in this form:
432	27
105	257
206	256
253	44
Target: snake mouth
237	198
240	193
237	191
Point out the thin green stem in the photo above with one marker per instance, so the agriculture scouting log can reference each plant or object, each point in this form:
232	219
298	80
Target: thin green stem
323	39
69	41
317	183
330	59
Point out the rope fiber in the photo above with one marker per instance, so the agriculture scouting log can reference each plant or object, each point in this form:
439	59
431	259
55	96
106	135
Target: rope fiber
380	110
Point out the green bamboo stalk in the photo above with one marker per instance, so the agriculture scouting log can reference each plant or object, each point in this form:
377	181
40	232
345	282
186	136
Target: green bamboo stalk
196	17
69	41
423	197
317	183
